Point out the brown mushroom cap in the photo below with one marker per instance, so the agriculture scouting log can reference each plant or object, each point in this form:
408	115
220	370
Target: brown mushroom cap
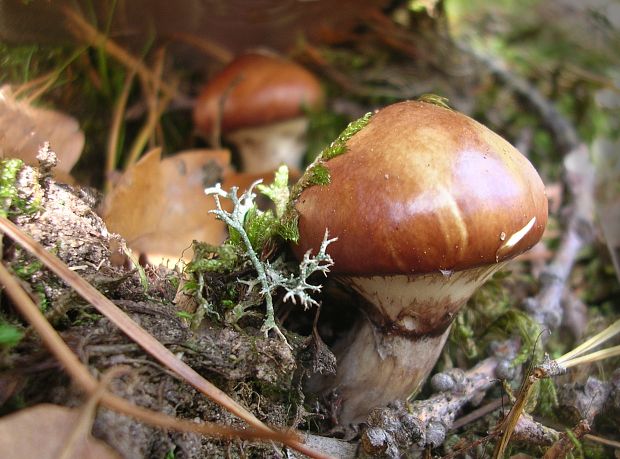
422	188
257	89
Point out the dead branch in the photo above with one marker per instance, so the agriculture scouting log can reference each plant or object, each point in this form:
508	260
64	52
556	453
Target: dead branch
564	445
424	423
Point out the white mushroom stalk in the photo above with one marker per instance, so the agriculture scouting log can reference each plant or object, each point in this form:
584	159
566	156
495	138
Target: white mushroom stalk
405	324
264	148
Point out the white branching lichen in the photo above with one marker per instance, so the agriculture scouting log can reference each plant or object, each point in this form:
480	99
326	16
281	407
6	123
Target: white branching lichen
296	285
276	275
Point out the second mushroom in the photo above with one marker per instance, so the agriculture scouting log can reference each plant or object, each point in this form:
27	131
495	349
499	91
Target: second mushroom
259	103
427	204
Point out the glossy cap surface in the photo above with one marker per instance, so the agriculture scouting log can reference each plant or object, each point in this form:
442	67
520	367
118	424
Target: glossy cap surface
256	89
423	188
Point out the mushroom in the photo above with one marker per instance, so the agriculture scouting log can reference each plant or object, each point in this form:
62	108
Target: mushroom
427	204
258	103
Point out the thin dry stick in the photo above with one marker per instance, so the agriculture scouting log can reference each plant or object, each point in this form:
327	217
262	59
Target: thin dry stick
507	426
42	81
153	91
88	411
82	377
210	48
140	336
478	413
146	132
602	441
115	129
87	33
156	107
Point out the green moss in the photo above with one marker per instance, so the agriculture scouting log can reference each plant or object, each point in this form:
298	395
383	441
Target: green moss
319	175
435	99
338	146
10	335
278	190
260	227
11	201
213	259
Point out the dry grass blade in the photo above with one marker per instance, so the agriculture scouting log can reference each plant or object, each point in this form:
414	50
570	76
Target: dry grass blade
156	105
87	416
115	129
509	423
87	33
589	344
134	331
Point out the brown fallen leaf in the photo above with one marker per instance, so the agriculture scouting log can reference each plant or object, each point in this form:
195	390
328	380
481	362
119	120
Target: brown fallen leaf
159	206
43	431
25	128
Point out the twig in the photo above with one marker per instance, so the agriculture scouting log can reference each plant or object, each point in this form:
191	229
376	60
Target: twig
477	413
564	133
431	418
565	444
209	47
546	306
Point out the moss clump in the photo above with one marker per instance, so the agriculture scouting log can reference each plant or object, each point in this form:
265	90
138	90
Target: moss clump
338	146
12	202
435	99
317	173
213	259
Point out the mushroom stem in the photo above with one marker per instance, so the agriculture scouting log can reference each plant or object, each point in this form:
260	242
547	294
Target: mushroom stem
394	346
264	148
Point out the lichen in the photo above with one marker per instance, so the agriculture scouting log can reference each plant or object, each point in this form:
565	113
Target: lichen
250	230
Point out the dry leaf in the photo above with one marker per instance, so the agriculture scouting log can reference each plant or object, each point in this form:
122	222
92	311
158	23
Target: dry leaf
159	206
43	432
24	129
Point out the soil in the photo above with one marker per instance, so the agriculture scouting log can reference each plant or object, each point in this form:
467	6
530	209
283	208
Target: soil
263	374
